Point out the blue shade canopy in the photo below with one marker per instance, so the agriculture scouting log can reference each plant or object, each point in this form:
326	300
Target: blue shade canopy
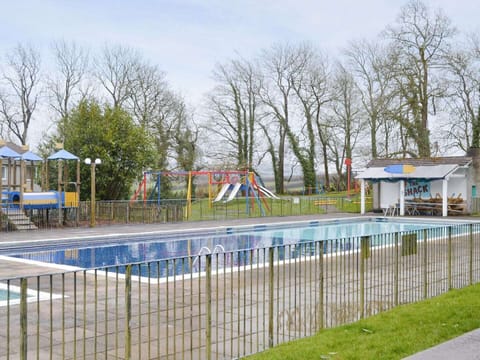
30	156
62	155
6	152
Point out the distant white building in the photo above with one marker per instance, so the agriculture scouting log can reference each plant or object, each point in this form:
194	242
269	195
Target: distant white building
434	186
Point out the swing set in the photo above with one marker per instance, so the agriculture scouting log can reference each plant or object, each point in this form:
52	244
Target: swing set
230	182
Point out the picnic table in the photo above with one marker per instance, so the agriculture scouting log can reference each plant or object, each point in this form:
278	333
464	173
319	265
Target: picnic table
434	206
422	208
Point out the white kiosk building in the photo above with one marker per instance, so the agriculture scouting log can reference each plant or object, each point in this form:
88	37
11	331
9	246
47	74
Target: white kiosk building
434	186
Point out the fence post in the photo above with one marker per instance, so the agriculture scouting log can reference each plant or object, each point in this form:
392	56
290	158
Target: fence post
270	295
470	255
395	273
425	264
321	305
23	319
128	312
450	258
208	274
364	254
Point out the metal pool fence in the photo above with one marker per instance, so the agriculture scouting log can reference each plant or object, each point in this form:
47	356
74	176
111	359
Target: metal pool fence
225	305
203	209
168	211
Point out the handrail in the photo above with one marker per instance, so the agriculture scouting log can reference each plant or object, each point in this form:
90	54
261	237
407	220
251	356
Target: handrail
204	250
200	254
218	246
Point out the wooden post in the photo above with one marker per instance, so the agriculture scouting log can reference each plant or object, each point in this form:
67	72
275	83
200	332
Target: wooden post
59	188
77	217
92	194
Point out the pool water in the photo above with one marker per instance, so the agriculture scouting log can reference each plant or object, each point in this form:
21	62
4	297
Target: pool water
10	295
4	295
220	241
342	230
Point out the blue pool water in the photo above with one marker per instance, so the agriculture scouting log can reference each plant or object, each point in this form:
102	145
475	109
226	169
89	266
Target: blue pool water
4	295
222	240
10	295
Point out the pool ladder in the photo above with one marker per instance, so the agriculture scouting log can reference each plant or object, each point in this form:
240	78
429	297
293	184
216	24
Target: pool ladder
218	249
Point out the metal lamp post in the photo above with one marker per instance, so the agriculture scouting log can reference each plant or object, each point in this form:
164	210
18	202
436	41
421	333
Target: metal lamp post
92	164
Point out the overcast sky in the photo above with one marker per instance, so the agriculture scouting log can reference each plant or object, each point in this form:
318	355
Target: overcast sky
185	38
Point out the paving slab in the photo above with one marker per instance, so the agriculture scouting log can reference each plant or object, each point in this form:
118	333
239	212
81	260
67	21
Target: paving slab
464	347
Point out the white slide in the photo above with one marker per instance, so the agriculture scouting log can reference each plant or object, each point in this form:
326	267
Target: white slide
222	192
234	192
267	192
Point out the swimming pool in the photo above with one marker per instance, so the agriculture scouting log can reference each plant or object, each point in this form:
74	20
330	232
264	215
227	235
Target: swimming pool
6	295
137	249
10	295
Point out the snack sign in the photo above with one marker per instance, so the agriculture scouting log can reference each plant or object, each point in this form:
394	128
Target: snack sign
417	189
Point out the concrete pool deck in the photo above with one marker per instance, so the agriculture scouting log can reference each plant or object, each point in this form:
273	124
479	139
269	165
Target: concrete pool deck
462	347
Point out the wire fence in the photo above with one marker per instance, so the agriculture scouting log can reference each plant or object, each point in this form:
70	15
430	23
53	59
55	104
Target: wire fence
475	205
226	305
171	211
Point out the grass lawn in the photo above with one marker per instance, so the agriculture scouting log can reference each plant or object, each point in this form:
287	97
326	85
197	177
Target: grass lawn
395	334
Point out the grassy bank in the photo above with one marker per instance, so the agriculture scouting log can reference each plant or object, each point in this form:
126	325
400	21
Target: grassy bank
395	334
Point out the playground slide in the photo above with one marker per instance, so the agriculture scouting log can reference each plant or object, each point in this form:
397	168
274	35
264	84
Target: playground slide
222	192
267	192
234	192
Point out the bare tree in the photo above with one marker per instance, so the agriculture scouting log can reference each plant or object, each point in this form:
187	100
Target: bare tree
464	99
20	92
141	89
476	119
67	87
347	122
312	93
185	138
161	125
72	66
421	40
148	93
371	67
114	69
286	68
152	105
233	109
